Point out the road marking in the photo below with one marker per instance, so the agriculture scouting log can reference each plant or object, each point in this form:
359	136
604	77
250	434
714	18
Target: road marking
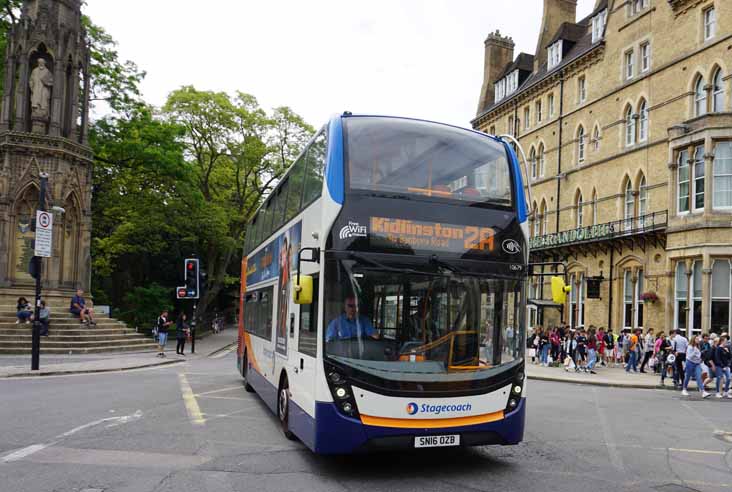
29	450
698	451
224	397
189	399
22	453
228	388
109	457
607	435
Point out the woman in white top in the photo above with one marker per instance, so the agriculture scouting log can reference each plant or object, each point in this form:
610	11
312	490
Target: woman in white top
648	343
693	368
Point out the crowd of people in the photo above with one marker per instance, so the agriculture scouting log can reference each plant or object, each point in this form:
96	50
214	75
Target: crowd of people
703	358
79	307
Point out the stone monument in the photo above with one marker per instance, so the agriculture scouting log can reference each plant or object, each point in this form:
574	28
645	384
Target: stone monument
43	128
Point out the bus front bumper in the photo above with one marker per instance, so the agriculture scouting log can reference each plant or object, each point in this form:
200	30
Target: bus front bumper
337	434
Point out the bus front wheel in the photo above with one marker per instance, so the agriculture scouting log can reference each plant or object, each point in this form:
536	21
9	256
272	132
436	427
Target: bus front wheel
283	408
245	372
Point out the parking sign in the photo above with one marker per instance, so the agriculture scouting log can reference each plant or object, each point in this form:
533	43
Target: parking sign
44	233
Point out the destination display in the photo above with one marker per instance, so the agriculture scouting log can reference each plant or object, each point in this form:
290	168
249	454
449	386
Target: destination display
433	236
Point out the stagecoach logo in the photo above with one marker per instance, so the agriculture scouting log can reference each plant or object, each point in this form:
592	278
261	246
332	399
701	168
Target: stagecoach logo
511	246
413	408
353	229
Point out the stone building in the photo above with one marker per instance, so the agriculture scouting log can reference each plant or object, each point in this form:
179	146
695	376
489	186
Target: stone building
43	128
626	119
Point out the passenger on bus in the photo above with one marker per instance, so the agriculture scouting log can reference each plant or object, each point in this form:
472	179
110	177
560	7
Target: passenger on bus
350	324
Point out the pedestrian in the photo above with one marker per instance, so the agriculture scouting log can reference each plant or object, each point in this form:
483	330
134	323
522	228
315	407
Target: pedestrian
665	357
44	315
544	346
707	347
532	343
632	353
555	344
722	364
162	326
181	333
581	352
591	351
679	344
601	346
657	344
23	311
648	346
693	368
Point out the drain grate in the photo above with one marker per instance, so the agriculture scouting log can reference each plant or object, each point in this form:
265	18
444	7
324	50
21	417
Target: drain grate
673	487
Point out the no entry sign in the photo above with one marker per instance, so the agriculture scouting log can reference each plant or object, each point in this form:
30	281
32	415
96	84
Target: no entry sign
44	234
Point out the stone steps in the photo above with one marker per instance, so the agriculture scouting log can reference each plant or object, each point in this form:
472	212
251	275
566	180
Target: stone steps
45	350
67	335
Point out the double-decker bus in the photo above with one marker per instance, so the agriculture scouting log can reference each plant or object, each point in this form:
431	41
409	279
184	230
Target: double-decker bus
382	291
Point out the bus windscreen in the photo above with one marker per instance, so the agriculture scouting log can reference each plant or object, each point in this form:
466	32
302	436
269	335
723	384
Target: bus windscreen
416	325
416	158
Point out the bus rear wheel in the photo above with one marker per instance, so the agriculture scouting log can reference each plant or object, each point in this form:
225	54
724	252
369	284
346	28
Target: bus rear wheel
245	372
283	408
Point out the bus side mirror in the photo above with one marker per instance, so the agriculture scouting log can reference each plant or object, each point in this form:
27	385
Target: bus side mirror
302	290
559	290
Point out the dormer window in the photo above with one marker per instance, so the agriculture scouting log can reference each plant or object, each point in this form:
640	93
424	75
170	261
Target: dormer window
555	54
598	26
507	85
637	6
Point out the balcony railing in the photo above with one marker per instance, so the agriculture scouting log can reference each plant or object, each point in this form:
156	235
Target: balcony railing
648	224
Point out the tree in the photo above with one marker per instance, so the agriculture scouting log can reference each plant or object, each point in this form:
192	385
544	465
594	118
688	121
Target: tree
238	153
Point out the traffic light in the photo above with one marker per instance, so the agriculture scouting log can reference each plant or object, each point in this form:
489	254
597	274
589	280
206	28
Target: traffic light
191	278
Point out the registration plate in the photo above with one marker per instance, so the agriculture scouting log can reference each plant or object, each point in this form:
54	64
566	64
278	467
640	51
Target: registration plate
436	441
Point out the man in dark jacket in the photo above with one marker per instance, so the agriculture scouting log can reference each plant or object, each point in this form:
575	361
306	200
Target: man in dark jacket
722	363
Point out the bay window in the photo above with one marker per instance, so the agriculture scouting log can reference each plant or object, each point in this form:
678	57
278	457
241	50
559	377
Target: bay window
681	289
721	296
723	175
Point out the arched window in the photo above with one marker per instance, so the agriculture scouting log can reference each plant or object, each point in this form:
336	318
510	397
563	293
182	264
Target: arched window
540	156
493	130
628	206
718	92
594	207
581	145
596	139
629	127
537	221
643	129
544	218
533	163
580	213
700	98
642	202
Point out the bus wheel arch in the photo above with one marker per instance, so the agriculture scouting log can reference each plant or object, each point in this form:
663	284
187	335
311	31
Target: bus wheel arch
283	405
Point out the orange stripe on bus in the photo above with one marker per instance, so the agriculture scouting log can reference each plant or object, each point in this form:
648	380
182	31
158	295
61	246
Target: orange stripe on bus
431	423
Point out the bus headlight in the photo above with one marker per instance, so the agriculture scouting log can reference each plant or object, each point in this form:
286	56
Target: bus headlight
347	407
517	389
335	377
341	392
512	403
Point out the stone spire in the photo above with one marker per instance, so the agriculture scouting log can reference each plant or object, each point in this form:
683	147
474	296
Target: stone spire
47	72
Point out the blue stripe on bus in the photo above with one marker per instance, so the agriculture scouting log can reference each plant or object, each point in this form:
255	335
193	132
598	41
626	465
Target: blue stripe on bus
337	434
266	390
334	172
519	184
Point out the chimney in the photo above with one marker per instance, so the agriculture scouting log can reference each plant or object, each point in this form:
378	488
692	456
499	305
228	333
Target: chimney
498	54
556	12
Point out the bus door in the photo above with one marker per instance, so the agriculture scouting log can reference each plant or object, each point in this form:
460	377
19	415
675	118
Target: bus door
304	347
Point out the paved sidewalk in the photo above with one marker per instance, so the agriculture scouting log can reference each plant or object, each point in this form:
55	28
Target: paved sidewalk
19	366
606	376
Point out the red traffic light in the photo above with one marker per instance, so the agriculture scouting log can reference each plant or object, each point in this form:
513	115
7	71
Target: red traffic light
189	265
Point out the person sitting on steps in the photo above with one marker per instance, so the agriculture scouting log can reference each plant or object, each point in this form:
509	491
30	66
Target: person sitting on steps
23	311
78	308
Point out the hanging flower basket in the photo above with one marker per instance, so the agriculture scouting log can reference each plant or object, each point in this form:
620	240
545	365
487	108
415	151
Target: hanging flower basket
649	297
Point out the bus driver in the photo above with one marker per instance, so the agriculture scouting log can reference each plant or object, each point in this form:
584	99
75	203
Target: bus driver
350	324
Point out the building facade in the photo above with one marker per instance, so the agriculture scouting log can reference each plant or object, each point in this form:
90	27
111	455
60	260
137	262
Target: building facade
626	119
43	129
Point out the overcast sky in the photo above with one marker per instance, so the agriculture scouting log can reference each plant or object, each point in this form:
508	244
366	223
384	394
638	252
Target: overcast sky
418	58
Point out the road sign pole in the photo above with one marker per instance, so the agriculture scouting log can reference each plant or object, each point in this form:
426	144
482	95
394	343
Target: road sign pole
193	328
36	338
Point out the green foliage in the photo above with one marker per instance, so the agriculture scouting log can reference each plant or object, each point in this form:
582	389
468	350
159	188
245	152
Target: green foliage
142	305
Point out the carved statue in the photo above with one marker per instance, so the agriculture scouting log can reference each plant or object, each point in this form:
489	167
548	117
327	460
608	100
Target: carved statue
41	83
